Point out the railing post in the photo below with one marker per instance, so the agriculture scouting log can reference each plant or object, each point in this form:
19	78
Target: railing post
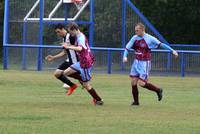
123	23
91	27
24	49
39	64
124	5
169	61
5	35
109	62
122	63
5	57
182	65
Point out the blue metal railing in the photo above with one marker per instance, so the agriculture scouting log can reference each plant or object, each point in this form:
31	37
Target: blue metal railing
109	55
5	34
185	45
91	24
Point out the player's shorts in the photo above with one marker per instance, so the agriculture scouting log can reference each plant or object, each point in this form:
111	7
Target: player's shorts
64	65
140	69
85	72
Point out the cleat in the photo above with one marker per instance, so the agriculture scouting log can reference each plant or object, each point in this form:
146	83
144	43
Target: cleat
71	89
95	102
135	104
65	86
160	94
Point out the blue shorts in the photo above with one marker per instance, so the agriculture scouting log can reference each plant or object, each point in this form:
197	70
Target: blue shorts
84	72
140	69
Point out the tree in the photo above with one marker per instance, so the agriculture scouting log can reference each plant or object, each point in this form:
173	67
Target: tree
178	21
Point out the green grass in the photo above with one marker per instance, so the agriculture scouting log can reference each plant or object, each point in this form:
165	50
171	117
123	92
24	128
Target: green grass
35	103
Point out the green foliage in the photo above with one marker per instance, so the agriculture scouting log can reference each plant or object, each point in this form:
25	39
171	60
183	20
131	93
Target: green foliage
176	20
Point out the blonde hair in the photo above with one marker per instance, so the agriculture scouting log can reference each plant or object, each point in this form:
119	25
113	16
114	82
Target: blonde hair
141	25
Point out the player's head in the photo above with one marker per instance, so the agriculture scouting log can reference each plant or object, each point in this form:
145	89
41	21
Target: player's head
60	30
73	28
139	29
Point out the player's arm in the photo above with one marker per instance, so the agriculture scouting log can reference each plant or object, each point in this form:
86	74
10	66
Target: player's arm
72	47
81	45
53	57
128	47
167	47
156	43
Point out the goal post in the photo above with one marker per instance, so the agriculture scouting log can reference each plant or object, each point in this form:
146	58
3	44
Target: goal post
80	5
26	23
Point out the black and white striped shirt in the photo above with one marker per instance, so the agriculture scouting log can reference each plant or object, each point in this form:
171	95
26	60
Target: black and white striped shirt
72	56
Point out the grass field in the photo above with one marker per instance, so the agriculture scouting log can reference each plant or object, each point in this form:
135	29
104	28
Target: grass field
35	103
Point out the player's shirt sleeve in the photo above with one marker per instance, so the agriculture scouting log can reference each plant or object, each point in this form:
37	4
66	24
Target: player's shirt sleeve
154	42
81	42
167	47
129	46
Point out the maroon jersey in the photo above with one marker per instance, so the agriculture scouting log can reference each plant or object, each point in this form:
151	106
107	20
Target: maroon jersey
85	55
142	46
142	51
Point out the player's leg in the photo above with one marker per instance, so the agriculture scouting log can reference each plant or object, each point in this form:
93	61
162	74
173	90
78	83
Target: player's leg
152	87
97	100
135	92
143	79
59	73
86	77
72	85
134	80
75	75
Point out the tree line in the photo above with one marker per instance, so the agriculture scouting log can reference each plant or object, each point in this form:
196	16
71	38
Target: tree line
177	20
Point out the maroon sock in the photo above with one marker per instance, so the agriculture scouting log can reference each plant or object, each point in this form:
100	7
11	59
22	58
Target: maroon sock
151	87
135	93
94	94
76	76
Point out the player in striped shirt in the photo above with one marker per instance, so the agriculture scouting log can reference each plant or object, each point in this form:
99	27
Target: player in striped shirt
72	58
142	43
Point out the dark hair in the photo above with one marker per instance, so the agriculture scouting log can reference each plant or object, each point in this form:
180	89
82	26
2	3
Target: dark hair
59	26
72	26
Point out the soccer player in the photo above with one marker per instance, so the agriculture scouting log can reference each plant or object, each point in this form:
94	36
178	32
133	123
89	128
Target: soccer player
71	58
142	43
85	64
